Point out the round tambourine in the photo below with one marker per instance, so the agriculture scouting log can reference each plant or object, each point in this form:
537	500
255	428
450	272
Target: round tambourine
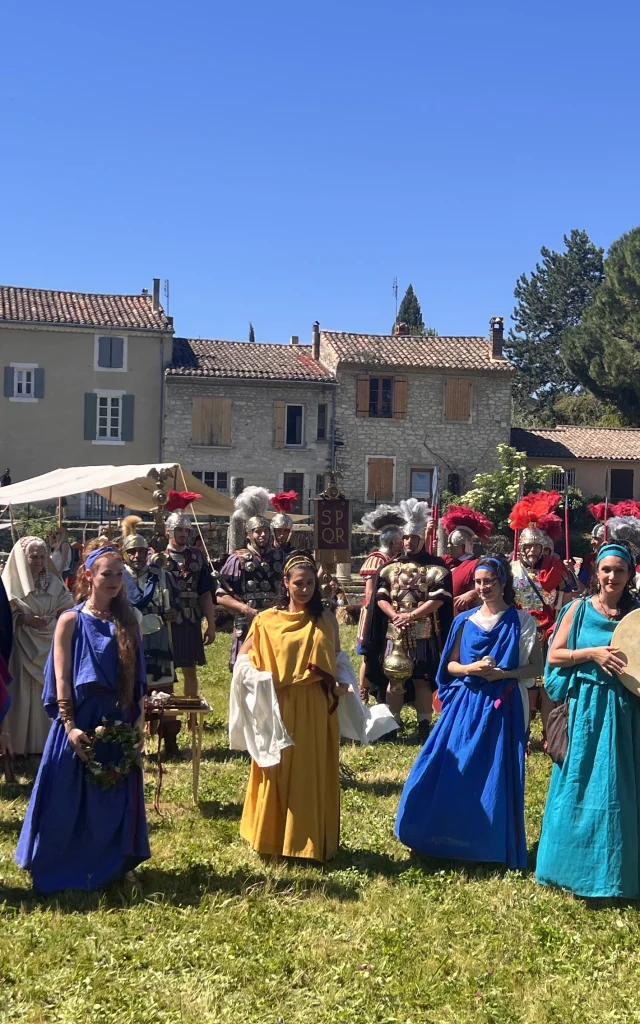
626	636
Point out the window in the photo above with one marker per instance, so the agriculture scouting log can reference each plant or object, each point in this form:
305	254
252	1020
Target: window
382	397
294	482
293	426
621	484
457	407
110	353
211	422
323	420
109	425
23	382
217	479
319	483
380	478
557	480
108	417
421	484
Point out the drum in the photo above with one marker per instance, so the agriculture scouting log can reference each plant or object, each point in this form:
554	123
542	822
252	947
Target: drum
626	636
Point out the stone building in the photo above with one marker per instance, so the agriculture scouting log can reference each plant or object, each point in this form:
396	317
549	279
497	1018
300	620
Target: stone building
408	405
590	456
239	413
83	382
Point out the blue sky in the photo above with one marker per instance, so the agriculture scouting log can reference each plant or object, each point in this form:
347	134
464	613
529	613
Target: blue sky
283	162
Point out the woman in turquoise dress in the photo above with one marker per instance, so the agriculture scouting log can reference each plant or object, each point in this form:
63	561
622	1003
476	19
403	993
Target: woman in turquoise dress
590	842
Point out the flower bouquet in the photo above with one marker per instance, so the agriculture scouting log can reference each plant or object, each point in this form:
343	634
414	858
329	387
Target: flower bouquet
114	751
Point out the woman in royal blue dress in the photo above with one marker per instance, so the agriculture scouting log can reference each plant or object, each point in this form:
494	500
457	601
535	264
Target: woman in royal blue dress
590	842
78	835
464	798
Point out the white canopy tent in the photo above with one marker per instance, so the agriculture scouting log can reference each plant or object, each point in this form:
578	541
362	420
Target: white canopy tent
130	486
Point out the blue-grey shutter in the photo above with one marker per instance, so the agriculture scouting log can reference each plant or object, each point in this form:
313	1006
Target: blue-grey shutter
104	352
127	418
38	383
117	353
90	416
9	374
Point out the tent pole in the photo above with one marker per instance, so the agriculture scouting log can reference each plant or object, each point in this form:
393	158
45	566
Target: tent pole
109	524
59	512
195	519
14	535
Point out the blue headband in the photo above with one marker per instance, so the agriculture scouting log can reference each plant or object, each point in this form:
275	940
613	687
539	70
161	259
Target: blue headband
620	550
501	572
98	553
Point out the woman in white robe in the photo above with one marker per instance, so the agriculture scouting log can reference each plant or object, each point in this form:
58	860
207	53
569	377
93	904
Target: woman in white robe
37	597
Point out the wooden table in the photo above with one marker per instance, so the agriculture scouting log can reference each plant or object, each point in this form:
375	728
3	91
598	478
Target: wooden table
196	717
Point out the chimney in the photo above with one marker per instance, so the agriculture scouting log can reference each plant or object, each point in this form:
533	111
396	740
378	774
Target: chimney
316	341
496	336
295	340
400	329
156	293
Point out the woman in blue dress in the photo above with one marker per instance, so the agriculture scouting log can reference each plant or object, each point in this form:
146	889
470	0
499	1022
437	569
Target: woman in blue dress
590	842
76	834
464	798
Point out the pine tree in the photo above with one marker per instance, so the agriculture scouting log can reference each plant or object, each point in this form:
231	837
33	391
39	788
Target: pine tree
410	313
252	333
604	351
549	302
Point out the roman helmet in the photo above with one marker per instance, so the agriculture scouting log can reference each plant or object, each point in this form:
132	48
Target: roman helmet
283	503
531	516
251	506
464	526
388	520
131	539
415	514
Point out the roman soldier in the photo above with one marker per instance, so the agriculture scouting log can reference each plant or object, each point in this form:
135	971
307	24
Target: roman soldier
408	621
251	577
282	523
538	579
464	528
196	586
153	593
389	521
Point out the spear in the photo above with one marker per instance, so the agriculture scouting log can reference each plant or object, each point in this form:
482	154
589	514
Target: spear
607	487
567	543
516	533
435	513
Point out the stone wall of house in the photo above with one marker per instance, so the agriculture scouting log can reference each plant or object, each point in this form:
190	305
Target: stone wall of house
423	439
252	454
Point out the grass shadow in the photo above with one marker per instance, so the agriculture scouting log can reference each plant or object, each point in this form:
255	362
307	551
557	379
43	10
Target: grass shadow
221	755
231	811
188	887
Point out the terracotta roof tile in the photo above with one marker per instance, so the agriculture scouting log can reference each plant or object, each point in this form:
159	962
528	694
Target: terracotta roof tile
245	359
442	353
79	309
614	444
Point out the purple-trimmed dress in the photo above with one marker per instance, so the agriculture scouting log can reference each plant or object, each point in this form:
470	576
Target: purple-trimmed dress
77	835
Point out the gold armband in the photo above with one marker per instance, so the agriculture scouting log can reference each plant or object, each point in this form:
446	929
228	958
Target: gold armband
66	712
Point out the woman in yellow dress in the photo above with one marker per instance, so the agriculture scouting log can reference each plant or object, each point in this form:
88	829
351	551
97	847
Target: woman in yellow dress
293	808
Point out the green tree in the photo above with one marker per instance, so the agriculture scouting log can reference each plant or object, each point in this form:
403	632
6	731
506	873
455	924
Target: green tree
410	314
603	352
496	493
252	333
549	302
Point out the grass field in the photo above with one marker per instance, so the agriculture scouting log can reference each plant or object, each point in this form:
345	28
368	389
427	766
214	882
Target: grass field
376	937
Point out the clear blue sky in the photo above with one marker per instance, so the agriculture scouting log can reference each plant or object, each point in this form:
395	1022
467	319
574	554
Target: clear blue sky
282	162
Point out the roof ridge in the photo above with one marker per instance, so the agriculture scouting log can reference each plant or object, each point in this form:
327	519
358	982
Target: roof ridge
73	291
244	341
571	426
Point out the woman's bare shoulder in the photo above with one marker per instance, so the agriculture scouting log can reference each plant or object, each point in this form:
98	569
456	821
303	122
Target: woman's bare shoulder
67	621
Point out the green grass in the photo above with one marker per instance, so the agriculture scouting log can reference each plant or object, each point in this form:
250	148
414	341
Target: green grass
376	937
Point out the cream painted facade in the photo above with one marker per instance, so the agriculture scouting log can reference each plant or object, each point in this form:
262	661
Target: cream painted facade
38	434
590	473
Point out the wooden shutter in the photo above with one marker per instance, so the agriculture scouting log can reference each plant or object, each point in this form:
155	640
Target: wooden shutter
90	416
380	475
117	353
400	389
278	424
221	422
104	352
38	383
458	400
126	430
362	396
9	381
